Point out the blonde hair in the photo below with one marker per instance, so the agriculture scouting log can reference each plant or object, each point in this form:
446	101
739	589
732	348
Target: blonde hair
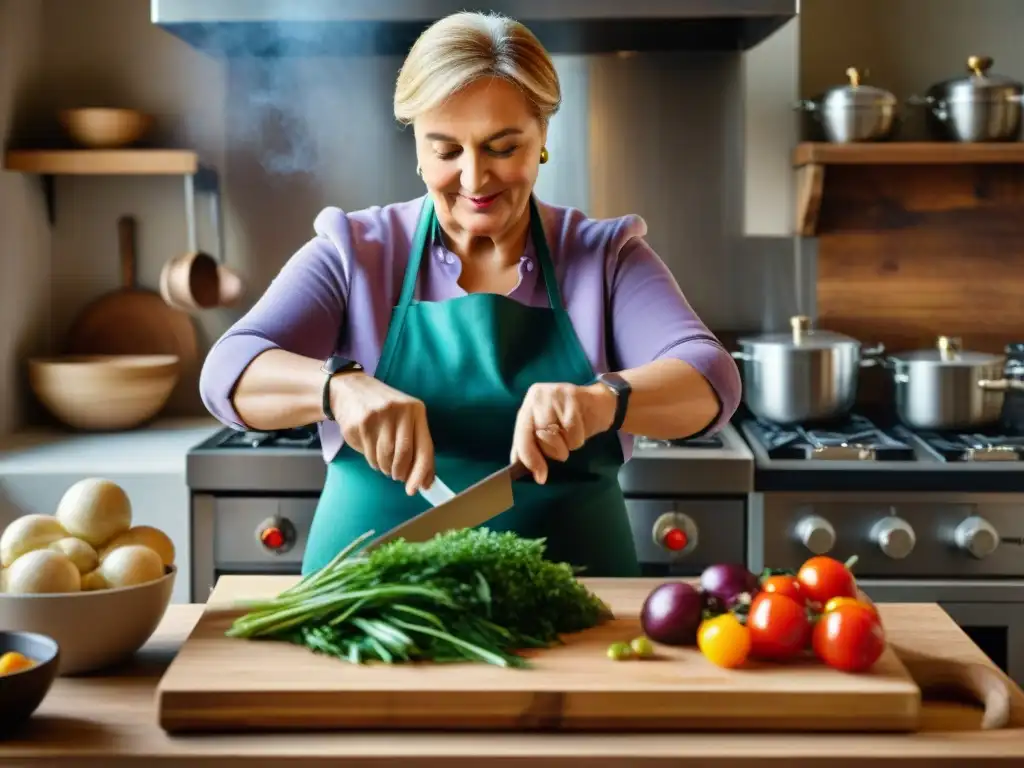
464	47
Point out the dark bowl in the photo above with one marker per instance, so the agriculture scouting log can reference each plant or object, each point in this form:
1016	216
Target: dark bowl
21	693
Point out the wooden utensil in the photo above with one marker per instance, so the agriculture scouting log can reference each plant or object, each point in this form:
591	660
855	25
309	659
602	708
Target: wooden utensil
218	683
195	281
967	680
970	681
133	320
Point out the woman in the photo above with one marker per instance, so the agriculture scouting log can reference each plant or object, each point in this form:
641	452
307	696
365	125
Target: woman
453	333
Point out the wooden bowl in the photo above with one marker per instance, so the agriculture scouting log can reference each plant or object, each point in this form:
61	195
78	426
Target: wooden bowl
99	128
94	630
21	693
104	392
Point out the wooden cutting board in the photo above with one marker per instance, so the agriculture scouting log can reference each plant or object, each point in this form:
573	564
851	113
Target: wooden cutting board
221	684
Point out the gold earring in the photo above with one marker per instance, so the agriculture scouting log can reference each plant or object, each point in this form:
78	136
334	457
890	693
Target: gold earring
543	155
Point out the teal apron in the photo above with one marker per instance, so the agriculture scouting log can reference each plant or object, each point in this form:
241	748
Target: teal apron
471	361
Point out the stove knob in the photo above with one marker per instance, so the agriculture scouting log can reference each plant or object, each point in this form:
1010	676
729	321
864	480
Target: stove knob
894	536
675	532
977	536
817	534
276	535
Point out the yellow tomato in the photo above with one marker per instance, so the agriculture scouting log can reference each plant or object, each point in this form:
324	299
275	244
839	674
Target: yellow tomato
724	641
836	602
12	662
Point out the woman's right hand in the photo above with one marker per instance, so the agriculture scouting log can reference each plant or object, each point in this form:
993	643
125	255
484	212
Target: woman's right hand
387	426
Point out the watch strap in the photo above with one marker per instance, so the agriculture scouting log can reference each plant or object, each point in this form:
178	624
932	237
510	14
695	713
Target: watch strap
622	390
332	366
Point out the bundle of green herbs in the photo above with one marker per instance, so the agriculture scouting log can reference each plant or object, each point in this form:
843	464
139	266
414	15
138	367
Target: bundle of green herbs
468	595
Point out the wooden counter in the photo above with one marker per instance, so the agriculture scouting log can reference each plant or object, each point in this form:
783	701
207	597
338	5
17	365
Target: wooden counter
109	721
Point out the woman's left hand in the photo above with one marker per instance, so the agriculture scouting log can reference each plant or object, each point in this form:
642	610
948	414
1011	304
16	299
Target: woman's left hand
556	419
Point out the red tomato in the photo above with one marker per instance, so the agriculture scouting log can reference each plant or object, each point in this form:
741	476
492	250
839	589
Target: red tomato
779	627
822	578
784	585
849	638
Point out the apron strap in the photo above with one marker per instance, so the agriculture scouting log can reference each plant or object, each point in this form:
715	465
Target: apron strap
412	270
547	267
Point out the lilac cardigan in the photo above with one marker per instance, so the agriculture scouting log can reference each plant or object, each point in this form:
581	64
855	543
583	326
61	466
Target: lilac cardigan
340	287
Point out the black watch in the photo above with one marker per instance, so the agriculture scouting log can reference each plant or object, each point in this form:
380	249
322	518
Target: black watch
621	388
332	366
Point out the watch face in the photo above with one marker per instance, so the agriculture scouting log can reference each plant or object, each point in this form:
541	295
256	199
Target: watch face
337	363
614	381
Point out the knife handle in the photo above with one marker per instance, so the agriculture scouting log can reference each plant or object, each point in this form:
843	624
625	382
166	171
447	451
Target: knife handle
518	471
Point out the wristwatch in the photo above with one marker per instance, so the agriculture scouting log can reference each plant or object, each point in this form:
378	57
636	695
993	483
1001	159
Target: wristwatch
621	388
332	366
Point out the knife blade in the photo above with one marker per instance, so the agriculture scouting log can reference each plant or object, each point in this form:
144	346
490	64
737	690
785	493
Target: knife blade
474	506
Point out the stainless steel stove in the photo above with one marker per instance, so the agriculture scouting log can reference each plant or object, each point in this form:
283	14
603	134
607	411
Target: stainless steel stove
931	517
254	495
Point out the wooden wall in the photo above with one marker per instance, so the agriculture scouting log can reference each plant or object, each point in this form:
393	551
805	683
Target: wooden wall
908	253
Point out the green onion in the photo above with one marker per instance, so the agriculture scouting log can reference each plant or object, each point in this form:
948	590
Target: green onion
470	595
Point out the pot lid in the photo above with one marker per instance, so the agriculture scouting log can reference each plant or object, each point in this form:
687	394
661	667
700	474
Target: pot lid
979	85
948	351
856	94
801	336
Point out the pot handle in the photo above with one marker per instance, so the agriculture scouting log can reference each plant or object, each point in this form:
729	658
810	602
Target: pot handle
1001	385
937	106
873	356
737	355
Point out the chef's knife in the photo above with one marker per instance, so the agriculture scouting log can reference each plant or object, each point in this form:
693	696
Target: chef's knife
474	506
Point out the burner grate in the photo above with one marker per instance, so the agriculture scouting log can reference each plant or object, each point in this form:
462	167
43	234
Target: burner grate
856	439
975	446
301	437
705	441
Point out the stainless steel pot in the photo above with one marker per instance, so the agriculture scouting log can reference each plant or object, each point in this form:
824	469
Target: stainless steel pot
948	389
802	377
854	112
977	108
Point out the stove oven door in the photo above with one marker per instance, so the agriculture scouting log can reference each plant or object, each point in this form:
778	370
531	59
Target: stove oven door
990	613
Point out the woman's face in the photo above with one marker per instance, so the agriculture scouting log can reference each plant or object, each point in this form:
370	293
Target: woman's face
479	153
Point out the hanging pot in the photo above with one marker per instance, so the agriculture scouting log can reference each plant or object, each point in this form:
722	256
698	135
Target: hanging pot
804	376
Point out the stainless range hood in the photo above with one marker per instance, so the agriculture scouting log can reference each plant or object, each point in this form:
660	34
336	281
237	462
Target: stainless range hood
363	27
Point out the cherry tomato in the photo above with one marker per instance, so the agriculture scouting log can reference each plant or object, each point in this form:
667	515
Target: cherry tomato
849	638
784	585
835	602
822	578
779	627
724	641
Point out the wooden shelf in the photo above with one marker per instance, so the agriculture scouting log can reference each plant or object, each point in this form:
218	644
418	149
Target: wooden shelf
811	158
103	162
908	153
49	163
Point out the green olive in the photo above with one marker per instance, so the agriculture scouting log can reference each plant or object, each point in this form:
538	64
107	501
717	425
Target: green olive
619	651
642	647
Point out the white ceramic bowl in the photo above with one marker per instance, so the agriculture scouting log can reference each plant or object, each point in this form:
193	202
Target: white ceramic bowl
94	630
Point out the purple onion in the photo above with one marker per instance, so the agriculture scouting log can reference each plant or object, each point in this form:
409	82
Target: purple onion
672	613
727	582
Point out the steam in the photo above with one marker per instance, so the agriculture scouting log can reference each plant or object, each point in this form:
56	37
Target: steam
295	85
270	116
